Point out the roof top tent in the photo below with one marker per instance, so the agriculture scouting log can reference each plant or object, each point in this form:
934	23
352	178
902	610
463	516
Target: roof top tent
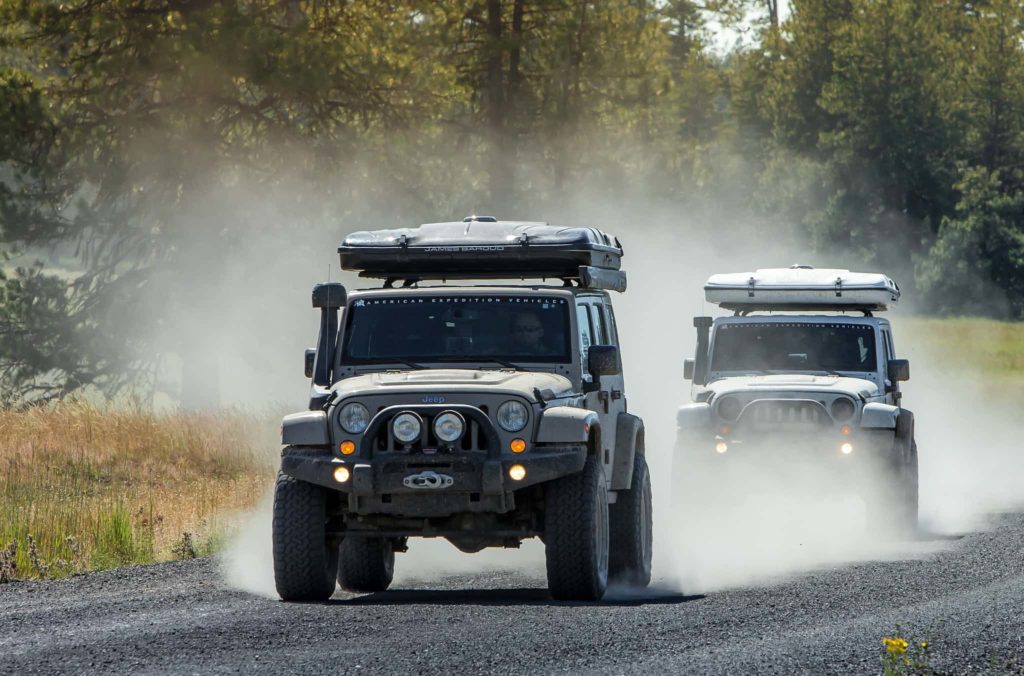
802	287
482	247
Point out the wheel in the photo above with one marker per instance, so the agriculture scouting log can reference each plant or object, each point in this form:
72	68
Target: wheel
366	564
629	557
910	497
894	511
576	534
305	562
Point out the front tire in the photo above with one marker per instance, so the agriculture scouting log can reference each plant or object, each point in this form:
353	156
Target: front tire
305	561
366	564
631	529
576	534
895	511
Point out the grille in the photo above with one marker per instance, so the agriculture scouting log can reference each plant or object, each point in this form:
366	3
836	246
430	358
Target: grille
474	438
783	413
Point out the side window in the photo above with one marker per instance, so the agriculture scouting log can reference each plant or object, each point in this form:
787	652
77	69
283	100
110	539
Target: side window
583	319
888	352
597	316
613	330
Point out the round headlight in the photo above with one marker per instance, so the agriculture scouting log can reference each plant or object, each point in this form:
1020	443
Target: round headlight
843	409
512	416
354	418
449	427
729	408
407	427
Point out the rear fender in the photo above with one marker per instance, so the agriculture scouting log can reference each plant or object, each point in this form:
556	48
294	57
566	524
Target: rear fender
629	440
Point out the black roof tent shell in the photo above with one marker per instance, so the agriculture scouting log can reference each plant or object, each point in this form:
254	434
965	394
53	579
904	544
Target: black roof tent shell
480	248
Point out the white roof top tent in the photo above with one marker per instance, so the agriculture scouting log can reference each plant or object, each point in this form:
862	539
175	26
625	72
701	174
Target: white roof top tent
801	287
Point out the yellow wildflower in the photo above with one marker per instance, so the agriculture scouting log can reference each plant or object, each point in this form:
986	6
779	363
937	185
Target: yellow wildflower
895	646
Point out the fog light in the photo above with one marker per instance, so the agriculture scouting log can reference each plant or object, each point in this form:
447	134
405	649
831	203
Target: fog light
347	447
517	445
517	472
846	448
341	474
721	447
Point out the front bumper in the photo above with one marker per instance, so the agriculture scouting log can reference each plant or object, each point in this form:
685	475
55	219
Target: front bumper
478	482
865	449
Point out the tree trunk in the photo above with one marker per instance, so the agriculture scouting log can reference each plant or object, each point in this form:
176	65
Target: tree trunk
500	187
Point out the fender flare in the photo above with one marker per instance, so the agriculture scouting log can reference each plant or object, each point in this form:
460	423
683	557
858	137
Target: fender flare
308	428
878	416
695	416
629	441
565	424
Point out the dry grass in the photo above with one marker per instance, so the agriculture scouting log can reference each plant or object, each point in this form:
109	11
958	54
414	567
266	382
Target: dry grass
87	487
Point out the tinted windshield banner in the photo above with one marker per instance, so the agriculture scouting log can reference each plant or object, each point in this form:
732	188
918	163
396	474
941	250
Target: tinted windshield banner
422	329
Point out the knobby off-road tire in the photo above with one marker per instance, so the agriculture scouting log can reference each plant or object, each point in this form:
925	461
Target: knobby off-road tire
366	564
631	529
895	512
910	496
305	562
576	534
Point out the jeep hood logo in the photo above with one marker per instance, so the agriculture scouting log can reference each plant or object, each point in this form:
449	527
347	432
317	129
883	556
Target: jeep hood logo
428	479
433	399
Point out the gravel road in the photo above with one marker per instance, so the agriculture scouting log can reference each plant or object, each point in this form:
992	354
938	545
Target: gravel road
966	600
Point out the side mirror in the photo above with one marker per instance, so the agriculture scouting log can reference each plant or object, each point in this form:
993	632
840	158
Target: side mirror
310	358
688	366
899	370
603	360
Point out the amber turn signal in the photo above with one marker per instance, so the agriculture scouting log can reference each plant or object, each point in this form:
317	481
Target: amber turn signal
517	445
347	447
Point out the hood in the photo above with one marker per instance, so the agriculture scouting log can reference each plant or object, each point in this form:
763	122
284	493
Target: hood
453	381
795	382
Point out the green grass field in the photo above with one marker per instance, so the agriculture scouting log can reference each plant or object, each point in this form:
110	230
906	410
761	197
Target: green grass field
982	346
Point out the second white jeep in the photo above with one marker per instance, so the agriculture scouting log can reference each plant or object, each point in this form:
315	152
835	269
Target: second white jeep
802	370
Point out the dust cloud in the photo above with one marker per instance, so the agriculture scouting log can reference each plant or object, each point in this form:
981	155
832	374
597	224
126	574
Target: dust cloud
248	562
769	527
969	459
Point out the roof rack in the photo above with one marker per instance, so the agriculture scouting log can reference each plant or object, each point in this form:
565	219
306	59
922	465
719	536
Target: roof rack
745	309
482	247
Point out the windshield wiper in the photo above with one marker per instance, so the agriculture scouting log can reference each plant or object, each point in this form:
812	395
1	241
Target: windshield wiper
411	364
506	364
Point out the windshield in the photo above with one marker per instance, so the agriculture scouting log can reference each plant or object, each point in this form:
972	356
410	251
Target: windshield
794	347
528	329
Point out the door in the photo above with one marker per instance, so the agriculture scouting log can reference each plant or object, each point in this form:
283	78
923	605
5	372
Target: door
613	385
606	399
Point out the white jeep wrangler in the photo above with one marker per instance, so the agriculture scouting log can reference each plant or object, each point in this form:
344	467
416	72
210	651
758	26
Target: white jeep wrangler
802	370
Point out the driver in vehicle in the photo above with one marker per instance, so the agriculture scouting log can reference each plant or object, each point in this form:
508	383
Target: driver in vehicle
528	335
